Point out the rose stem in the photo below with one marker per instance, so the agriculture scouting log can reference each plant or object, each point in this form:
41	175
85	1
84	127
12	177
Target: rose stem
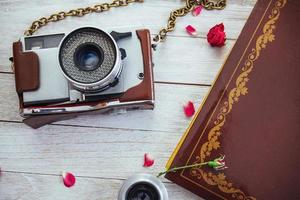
179	168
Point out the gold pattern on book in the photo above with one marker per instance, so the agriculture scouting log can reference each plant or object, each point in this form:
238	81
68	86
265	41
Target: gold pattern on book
240	89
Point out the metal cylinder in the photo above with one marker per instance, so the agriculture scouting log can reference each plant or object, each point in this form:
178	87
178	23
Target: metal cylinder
143	187
90	59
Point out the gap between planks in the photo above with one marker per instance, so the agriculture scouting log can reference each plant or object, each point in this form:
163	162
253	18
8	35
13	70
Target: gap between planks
95	127
159	82
77	176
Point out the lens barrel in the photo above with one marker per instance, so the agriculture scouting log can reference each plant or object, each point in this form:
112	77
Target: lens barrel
142	191
143	187
90	59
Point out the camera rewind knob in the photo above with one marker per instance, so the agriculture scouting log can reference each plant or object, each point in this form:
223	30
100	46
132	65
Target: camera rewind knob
118	36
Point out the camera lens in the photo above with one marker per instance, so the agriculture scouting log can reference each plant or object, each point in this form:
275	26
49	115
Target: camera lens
142	191
88	57
143	187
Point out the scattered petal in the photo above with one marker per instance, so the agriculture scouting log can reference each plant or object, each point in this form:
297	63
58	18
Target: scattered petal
191	30
189	109
197	10
148	160
69	179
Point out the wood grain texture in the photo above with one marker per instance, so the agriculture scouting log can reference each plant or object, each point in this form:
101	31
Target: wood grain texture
199	65
104	150
92	152
49	187
167	116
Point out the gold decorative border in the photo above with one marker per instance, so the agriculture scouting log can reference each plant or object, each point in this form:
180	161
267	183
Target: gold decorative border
239	90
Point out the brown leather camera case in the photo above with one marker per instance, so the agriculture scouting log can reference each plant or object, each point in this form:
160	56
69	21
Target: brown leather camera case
26	68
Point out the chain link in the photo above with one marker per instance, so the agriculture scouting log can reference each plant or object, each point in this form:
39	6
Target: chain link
79	12
190	4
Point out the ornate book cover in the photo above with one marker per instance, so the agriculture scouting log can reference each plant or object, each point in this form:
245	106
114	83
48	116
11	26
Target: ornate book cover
251	115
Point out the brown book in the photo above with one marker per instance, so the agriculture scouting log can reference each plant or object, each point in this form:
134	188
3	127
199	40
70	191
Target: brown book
251	115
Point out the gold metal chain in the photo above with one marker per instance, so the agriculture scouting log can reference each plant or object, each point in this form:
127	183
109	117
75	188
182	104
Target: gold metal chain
190	5
98	8
79	12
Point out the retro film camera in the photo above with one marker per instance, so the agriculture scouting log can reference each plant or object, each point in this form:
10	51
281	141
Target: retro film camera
60	76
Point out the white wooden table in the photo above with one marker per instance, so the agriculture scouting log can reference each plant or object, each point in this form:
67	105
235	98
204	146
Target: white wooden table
104	150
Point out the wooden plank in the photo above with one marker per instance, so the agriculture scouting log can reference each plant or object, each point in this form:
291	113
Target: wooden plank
35	187
106	149
199	64
92	152
167	116
189	60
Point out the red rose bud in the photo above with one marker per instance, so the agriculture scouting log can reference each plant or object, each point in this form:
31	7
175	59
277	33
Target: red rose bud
216	36
218	164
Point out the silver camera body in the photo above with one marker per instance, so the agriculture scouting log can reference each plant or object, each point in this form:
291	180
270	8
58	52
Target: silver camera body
87	64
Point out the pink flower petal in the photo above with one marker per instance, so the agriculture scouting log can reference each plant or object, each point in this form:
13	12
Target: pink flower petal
197	10
69	179
148	160
191	30
189	109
